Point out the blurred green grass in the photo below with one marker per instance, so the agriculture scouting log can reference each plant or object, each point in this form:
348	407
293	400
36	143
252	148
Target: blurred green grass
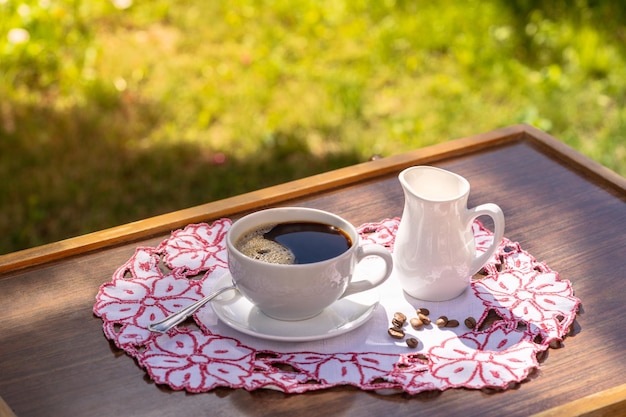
112	111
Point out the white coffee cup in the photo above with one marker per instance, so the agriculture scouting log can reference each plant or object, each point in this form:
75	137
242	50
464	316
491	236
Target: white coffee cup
299	291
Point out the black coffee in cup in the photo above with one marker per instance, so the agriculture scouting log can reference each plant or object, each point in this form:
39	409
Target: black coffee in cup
294	242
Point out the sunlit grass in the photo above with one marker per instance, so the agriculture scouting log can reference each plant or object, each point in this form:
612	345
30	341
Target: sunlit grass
114	111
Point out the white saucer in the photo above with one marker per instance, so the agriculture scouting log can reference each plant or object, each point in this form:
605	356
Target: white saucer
343	316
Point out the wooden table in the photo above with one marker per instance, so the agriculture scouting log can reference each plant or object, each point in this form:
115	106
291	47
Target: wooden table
563	208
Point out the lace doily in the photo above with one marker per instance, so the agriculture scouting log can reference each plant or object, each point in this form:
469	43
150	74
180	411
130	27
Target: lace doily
533	307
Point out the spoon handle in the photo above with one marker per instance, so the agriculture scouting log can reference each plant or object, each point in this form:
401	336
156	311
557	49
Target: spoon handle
176	318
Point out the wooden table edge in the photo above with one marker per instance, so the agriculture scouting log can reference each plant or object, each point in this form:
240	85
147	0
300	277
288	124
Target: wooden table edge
165	223
610	402
5	410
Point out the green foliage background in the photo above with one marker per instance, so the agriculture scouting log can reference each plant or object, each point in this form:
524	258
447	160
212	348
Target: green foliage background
111	111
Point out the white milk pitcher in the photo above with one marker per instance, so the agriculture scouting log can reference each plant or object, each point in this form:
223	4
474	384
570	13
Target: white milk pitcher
434	252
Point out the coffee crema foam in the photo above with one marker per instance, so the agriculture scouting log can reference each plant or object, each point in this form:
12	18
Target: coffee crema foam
255	246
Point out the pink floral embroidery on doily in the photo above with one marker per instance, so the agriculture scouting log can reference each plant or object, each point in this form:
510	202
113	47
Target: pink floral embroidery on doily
534	305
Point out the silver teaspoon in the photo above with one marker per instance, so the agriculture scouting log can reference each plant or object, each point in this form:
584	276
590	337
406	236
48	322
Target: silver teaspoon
180	316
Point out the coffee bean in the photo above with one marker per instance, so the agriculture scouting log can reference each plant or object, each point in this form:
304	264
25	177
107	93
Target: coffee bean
452	323
470	322
441	321
412	342
416	323
424	318
423	310
396	333
396	323
399	317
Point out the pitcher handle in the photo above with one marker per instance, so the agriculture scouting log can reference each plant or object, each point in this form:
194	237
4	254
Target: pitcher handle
496	214
365	284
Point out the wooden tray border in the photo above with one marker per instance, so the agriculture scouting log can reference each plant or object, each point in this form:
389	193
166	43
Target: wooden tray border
609	402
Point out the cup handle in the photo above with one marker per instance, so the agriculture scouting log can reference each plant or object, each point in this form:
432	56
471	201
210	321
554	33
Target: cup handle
364	285
496	214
